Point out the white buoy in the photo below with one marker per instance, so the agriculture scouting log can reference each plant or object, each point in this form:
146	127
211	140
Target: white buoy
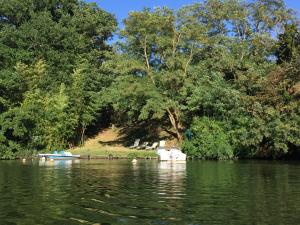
134	161
23	160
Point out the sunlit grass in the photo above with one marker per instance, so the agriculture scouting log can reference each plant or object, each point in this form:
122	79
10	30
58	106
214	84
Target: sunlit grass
116	152
106	145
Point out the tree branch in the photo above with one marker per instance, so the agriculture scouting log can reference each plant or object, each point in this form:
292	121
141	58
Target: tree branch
147	60
189	61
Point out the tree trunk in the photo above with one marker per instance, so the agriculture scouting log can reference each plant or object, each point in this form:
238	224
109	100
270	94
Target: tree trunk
82	136
175	123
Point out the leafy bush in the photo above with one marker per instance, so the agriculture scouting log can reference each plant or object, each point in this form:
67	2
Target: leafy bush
16	152
26	154
209	140
7	154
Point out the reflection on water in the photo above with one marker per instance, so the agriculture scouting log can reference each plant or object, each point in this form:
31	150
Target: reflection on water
149	192
171	185
58	163
173	167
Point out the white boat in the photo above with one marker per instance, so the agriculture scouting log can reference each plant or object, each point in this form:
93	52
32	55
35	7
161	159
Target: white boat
59	155
174	154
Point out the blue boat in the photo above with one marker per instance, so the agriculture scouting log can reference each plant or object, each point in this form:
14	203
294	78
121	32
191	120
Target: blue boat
59	155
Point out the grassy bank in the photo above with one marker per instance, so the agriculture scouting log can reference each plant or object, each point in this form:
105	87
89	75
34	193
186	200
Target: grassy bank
112	152
109	143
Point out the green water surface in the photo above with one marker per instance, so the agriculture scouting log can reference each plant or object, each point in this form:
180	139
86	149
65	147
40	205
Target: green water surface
149	192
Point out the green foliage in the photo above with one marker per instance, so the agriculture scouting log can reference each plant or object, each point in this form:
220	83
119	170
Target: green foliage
215	59
209	140
288	44
49	94
131	155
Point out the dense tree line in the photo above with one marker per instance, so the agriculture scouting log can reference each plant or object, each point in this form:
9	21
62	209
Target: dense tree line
226	71
51	53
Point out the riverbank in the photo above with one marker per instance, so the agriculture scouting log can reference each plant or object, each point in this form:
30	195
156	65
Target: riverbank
113	153
109	144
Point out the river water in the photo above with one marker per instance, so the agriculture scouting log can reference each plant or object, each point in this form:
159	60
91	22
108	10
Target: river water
149	192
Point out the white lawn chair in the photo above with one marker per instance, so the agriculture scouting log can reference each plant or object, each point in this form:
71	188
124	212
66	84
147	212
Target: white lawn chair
154	146
144	145
135	144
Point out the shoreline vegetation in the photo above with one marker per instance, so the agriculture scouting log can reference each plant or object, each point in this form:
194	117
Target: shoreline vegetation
114	154
220	79
110	144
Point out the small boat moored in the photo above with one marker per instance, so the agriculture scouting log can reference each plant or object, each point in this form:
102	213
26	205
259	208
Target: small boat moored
174	154
59	155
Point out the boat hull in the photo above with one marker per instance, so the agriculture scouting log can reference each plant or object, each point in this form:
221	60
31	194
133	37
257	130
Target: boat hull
63	157
59	156
173	155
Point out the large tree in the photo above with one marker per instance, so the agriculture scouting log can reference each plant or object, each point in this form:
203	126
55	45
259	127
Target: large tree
51	53
165	55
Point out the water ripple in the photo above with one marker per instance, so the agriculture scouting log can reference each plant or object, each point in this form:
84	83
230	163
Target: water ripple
116	192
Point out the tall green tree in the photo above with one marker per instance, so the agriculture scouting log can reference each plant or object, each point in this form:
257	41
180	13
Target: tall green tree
168	52
41	43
